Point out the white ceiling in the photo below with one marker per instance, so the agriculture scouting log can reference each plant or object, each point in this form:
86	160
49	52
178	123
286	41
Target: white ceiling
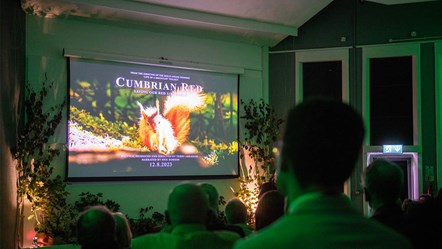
258	22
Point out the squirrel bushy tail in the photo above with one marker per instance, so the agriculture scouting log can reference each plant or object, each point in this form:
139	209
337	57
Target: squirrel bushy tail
177	109
164	133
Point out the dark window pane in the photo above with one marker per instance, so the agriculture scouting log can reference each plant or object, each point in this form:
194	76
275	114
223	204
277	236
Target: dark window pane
391	101
322	79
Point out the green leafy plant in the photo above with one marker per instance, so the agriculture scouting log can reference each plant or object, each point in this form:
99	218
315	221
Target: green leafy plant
37	182
56	218
261	132
34	156
60	218
88	199
146	224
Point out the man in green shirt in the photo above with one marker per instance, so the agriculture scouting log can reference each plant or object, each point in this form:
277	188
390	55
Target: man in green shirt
321	144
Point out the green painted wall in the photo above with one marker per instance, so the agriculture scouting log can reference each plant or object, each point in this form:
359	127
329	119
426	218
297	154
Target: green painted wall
428	115
364	24
352	25
46	39
282	65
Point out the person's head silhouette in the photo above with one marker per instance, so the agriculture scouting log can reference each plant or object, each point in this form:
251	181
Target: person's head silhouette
187	204
96	228
383	182
321	144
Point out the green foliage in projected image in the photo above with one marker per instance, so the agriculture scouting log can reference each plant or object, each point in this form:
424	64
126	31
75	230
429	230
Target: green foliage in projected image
219	119
103	127
113	104
109	112
121	105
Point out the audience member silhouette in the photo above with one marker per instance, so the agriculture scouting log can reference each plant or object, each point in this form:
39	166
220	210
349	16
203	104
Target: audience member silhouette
215	223
96	229
236	214
425	224
383	181
271	206
321	144
408	205
424	197
187	212
267	186
212	195
123	231
438	197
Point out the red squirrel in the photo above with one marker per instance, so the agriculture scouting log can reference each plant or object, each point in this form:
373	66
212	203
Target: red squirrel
165	132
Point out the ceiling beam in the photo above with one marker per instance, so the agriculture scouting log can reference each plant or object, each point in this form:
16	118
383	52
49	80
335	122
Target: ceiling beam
176	14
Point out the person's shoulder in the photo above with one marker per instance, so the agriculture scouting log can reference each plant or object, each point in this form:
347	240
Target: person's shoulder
149	240
388	236
255	241
227	235
269	237
64	246
289	229
218	235
248	230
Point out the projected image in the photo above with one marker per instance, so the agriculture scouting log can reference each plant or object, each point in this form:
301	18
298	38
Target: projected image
135	121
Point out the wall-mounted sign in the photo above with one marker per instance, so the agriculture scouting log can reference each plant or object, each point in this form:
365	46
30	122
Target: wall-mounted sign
392	148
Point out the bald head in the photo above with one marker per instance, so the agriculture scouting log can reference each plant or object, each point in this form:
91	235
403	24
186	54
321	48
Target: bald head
270	207
384	180
123	231
96	228
212	194
236	212
188	204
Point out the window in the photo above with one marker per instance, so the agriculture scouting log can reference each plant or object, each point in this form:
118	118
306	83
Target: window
391	94
322	72
391	100
322	79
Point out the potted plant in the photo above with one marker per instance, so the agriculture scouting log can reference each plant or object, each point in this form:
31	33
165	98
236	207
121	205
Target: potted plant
261	132
56	219
34	155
